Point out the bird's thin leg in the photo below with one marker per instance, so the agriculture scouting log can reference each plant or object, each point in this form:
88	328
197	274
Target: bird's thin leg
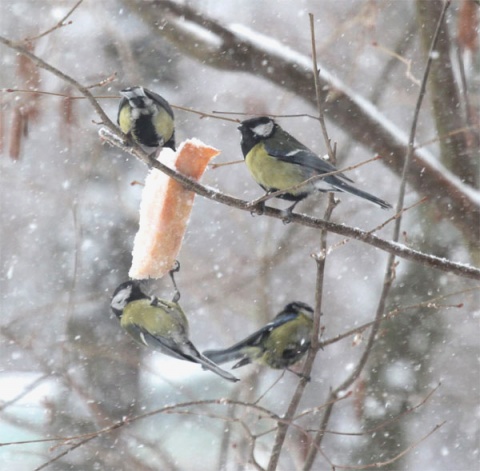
258	209
175	269
258	205
288	212
300	375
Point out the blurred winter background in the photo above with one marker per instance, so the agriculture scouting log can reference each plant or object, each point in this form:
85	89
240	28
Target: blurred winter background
69	214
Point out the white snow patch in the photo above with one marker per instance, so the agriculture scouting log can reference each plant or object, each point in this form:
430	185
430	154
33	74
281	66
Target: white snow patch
276	48
400	375
14	384
373	408
204	35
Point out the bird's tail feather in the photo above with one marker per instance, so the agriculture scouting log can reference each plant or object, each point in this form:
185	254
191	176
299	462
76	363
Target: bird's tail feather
342	186
209	364
223	356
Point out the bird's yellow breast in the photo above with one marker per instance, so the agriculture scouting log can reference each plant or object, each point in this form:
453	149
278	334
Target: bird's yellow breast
164	125
291	336
154	319
291	332
270	172
125	119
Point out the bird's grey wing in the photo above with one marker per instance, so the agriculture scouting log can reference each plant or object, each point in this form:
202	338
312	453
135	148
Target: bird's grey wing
181	351
237	350
166	346
257	337
288	149
160	100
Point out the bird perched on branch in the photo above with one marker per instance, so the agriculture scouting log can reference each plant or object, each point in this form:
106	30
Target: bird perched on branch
279	344
158	324
146	117
277	161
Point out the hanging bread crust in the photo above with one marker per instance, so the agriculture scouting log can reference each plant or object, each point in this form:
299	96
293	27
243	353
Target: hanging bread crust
165	210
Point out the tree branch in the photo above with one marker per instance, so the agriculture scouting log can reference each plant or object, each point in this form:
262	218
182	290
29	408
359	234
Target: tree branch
390	269
115	137
466	271
232	49
447	109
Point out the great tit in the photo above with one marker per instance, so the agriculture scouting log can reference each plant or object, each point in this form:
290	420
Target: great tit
277	161
146	117
279	344
158	324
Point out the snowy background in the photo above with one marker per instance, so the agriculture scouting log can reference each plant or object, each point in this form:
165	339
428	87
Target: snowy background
69	215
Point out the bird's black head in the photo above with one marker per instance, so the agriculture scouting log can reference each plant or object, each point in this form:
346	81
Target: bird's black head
298	307
255	130
136	96
124	294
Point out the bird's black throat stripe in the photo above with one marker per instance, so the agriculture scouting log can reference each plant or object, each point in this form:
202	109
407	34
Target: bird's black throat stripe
144	131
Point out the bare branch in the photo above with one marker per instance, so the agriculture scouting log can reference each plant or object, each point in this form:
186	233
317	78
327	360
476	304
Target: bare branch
66	78
318	93
236	50
396	457
445	97
115	137
59	25
389	272
399	250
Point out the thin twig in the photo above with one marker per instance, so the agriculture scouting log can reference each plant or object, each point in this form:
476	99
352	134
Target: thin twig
425	304
389	273
205	115
320	260
380	226
264	393
163	410
60	24
307	369
398	215
66	78
316	73
28	389
381	425
351	112
407	62
380	464
225	164
390	247
401	251
242	113
447	135
103	82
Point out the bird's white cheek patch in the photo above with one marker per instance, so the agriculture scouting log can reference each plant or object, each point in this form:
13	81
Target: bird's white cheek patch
120	300
263	130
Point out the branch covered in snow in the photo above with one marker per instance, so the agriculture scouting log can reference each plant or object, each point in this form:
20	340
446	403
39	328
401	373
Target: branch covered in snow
397	249
456	153
238	48
113	135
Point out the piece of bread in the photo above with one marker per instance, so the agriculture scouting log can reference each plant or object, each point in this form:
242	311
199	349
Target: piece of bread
165	210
